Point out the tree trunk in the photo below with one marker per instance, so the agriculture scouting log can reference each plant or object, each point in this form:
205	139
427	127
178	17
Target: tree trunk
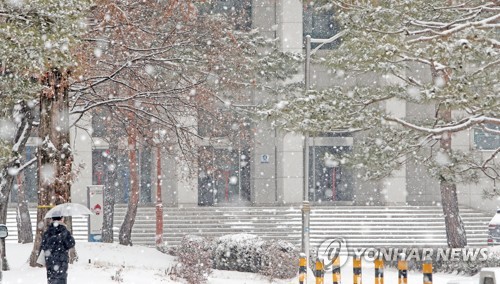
54	155
159	203
24	230
126	228
109	195
455	230
5	264
44	187
6	180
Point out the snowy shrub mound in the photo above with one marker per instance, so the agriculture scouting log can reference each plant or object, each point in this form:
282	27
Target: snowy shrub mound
279	260
239	252
249	253
194	259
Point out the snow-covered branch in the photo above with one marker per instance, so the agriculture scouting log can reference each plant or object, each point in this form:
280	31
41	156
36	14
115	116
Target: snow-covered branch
101	103
491	130
466	124
118	70
490	158
484	67
490	22
27	164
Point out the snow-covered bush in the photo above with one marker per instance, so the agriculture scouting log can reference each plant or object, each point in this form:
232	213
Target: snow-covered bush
194	257
279	260
249	253
238	252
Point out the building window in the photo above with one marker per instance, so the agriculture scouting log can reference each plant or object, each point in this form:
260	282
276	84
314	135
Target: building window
100	122
221	122
224	176
103	162
145	171
488	280
239	12
122	177
99	166
319	24
216	123
484	140
31	175
329	180
27	180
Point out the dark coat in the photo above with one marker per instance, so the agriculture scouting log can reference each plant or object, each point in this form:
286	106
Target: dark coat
56	242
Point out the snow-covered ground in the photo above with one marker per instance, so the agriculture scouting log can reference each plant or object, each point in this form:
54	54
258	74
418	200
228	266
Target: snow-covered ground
99	263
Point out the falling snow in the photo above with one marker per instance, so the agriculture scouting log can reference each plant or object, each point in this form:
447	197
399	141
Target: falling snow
193	118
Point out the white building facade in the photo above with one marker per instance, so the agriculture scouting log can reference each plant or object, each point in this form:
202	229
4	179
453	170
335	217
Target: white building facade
269	168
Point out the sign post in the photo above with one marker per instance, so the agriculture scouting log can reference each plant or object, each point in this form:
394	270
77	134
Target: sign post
95	203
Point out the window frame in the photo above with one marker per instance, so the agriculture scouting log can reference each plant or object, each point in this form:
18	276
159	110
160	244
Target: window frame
310	17
495	138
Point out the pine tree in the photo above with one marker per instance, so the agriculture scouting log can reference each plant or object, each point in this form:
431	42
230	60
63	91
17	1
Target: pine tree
39	37
437	56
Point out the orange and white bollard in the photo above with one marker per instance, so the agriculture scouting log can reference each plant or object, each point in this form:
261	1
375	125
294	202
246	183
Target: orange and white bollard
336	270
302	268
427	270
379	271
320	272
356	269
402	270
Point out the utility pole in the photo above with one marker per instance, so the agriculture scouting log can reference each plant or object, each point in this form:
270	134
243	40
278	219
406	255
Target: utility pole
306	207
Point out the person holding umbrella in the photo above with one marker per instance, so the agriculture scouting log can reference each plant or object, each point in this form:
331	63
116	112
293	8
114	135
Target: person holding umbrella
56	242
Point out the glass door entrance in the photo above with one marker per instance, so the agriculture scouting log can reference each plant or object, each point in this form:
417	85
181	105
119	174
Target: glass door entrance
226	186
329	180
224	177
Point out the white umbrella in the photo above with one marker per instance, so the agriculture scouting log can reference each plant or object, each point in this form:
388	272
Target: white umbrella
68	209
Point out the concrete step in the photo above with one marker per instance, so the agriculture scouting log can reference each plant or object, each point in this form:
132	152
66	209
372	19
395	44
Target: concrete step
298	217
314	213
80	225
360	225
345	209
297	210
